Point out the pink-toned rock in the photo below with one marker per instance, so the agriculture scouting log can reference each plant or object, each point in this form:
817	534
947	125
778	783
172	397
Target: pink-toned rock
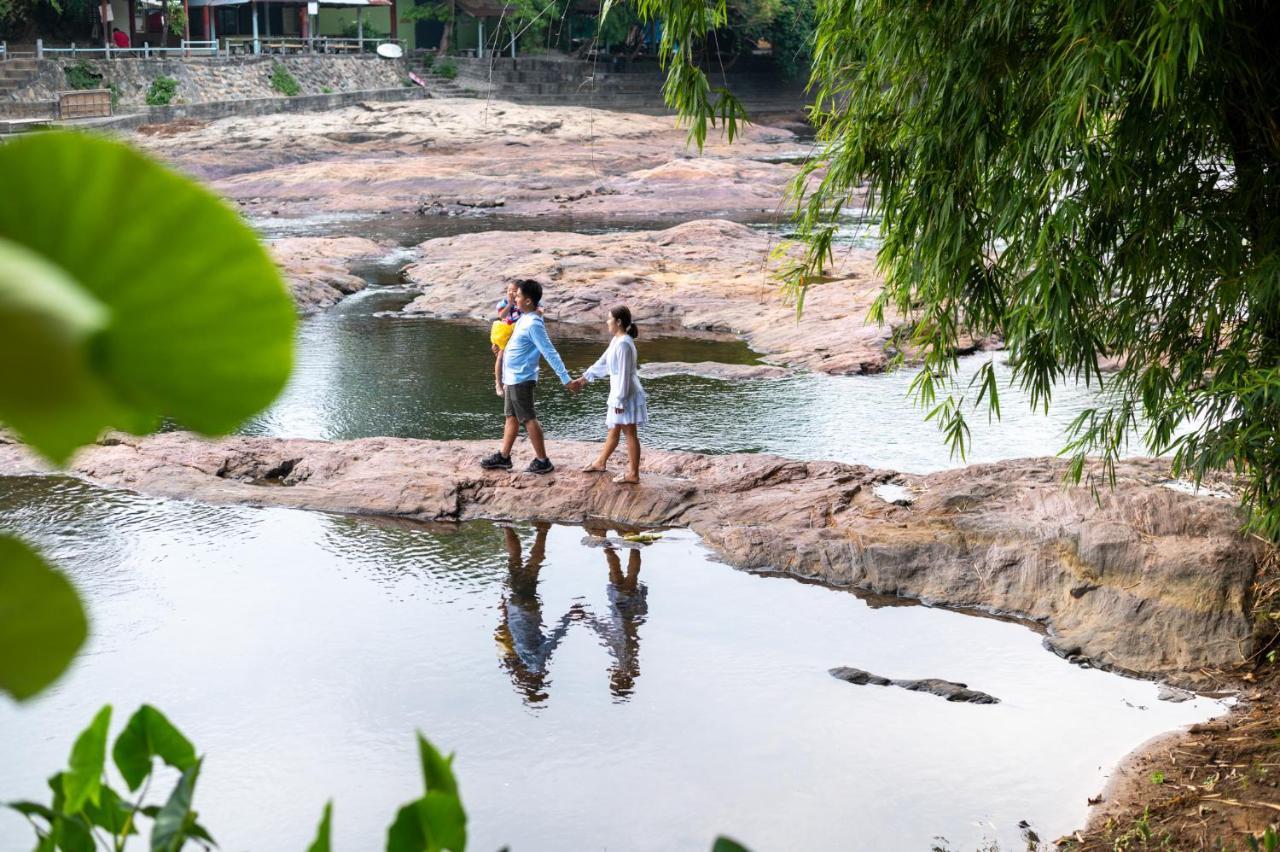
1142	578
538	159
703	276
318	269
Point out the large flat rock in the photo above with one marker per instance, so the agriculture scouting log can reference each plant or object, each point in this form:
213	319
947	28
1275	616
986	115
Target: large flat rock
707	275
538	160
1142	578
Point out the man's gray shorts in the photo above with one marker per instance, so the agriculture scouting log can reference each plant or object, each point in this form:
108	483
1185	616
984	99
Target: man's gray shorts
517	401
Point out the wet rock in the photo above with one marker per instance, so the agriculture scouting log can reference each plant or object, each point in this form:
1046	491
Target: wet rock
947	689
712	370
1173	694
318	269
1003	537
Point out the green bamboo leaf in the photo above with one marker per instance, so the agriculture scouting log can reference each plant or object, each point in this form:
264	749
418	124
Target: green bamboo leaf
32	809
192	320
42	623
149	735
173	821
82	782
321	843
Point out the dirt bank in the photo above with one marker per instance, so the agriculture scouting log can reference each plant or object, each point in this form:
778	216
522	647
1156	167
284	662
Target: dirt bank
1143	579
706	275
467	155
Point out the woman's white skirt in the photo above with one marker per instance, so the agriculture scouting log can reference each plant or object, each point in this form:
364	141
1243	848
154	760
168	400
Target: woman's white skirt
634	413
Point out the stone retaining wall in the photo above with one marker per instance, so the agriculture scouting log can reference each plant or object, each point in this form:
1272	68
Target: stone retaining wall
208	79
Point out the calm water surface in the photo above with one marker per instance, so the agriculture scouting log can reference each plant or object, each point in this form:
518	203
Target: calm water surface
359	374
633	700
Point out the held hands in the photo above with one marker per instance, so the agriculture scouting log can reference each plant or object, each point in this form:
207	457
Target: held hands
576	385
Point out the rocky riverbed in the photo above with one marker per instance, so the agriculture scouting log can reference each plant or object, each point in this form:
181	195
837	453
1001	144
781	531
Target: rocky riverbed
469	156
1143	578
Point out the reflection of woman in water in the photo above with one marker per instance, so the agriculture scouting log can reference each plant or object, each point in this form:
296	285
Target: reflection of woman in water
620	632
524	647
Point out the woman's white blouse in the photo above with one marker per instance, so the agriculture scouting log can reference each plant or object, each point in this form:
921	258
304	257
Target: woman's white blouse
618	363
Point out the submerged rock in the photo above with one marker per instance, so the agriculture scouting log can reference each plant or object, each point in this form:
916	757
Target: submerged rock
947	689
712	370
1168	574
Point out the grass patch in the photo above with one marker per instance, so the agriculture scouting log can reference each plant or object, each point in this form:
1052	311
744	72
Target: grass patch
284	82
162	91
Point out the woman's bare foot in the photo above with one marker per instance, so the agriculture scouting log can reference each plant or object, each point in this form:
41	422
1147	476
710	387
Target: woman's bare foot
626	479
594	467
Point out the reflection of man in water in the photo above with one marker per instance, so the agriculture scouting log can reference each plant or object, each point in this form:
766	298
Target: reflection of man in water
620	632
526	649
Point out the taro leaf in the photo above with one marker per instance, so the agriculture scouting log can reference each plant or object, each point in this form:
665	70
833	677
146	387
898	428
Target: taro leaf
407	833
173	821
437	770
199	326
724	844
82	782
32	809
70	834
48	324
437	820
321	843
112	813
149	735
41	621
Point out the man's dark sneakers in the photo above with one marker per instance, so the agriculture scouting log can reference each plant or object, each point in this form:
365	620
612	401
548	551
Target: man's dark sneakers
539	466
497	461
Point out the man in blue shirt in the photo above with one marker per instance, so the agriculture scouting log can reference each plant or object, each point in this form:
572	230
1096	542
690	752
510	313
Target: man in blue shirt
528	344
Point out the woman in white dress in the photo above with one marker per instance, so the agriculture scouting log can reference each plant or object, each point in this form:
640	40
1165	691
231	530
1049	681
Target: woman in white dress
628	408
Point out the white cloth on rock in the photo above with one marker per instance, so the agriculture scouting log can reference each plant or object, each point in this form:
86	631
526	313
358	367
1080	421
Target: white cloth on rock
619	363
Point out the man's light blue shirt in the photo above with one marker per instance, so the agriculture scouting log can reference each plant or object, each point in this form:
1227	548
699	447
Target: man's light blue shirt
529	341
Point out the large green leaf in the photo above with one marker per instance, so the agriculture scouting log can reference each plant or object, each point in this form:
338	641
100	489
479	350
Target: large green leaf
149	735
321	843
82	782
48	324
70	834
199	326
42	624
111	813
173	821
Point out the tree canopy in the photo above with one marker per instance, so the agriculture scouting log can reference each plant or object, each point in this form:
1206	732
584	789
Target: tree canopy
1095	183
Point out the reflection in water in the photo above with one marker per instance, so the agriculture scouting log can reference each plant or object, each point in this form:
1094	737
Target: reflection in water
526	646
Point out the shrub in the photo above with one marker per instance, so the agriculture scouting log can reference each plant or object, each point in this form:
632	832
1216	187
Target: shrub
284	82
82	75
428	59
162	91
326	90
447	69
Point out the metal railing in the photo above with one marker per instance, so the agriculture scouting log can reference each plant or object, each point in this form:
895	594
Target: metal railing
226	46
145	51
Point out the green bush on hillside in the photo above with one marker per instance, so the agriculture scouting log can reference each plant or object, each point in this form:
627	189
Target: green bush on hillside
447	69
82	75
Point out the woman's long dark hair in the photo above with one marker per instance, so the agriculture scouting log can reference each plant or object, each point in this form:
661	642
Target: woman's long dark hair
623	315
